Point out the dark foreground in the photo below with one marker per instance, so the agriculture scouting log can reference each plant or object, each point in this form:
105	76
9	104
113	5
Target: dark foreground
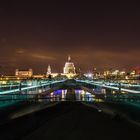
68	121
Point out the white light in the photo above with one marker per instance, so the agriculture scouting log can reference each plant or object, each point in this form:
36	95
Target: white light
89	75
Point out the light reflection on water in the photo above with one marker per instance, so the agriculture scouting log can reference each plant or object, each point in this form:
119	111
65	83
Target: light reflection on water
84	96
80	95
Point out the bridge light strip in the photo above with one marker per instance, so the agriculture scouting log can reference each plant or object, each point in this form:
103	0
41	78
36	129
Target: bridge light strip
111	83
32	87
111	87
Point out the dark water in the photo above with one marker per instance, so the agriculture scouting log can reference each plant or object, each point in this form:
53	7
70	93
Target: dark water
80	95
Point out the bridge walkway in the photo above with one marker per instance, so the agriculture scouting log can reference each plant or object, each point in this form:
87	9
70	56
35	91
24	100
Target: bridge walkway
68	121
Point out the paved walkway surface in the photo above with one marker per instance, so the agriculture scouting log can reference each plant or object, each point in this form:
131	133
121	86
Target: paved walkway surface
69	121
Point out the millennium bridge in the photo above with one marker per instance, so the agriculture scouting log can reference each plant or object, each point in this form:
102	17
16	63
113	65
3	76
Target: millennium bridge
25	106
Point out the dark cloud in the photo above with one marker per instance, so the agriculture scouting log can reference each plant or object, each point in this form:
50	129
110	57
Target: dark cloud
99	33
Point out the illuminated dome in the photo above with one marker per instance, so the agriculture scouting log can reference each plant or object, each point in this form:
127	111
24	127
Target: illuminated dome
69	67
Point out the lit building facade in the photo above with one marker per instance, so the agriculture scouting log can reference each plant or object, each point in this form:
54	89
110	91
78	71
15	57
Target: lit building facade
49	71
69	67
135	71
24	73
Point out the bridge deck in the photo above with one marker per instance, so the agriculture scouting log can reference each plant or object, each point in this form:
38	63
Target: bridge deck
68	121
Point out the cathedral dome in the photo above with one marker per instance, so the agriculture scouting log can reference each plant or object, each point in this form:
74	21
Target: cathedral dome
69	67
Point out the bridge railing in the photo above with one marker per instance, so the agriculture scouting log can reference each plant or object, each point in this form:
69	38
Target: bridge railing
6	98
135	98
114	87
21	89
26	93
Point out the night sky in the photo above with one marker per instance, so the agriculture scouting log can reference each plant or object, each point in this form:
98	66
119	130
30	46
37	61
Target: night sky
103	34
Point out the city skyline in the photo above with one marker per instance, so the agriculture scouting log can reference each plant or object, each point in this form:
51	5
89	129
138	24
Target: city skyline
69	67
83	69
96	34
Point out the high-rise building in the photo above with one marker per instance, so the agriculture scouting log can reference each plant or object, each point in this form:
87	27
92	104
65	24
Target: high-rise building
69	67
